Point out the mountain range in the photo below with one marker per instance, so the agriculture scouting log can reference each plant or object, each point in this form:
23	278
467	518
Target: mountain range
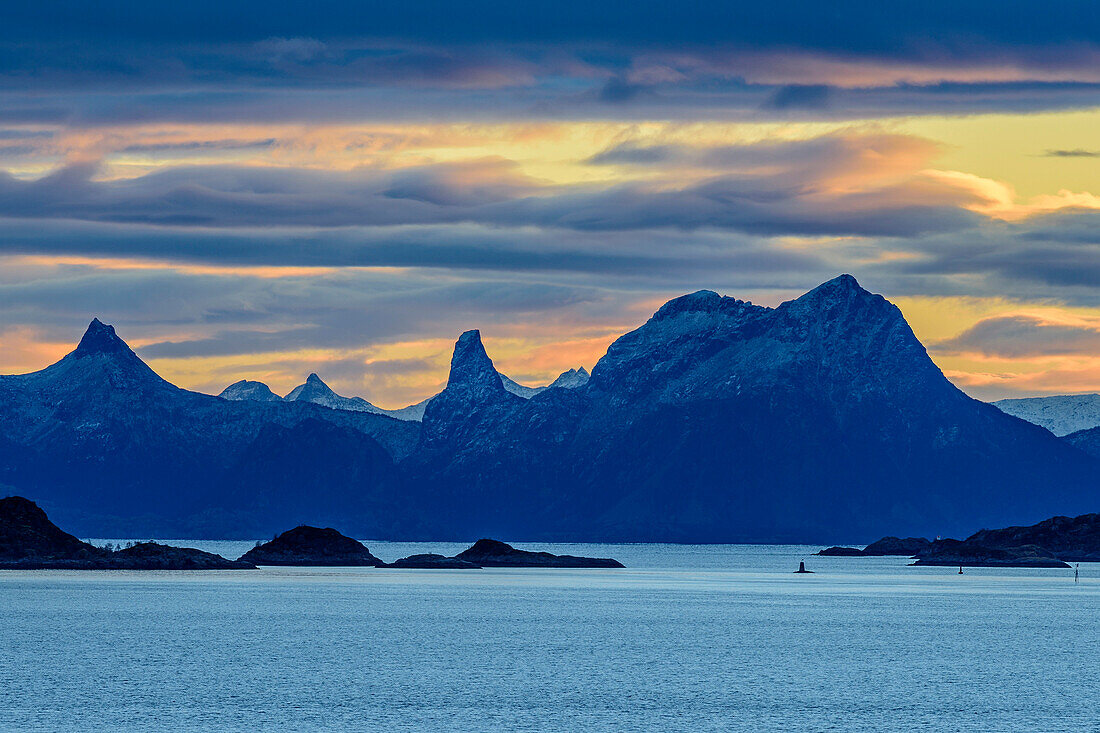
820	420
316	391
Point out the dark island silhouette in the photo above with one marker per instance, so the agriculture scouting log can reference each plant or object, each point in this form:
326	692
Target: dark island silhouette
495	554
306	546
30	541
886	546
1051	543
971	553
312	546
432	561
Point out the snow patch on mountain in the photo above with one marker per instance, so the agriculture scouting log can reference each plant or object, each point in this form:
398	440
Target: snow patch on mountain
1060	414
316	391
412	413
520	390
571	379
248	390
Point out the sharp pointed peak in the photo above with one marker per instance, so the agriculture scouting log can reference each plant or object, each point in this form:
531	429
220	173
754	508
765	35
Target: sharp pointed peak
100	338
841	282
841	298
842	288
571	378
471	337
471	365
312	388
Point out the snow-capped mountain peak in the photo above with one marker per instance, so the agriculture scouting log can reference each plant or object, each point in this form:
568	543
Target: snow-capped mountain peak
316	391
571	379
101	360
249	390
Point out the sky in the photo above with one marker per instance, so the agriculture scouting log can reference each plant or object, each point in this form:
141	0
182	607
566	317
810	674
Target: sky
264	190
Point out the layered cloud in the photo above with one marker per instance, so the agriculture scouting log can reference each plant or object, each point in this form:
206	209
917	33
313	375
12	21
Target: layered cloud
249	191
861	185
1015	336
129	61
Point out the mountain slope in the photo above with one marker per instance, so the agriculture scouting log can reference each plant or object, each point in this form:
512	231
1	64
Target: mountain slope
1060	414
1084	440
412	412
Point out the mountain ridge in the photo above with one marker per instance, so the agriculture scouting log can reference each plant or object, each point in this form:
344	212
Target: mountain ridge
316	391
716	420
702	412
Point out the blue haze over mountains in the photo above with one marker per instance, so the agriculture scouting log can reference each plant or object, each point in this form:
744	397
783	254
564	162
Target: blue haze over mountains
716	421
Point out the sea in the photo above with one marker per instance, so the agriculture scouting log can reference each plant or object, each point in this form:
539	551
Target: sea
686	638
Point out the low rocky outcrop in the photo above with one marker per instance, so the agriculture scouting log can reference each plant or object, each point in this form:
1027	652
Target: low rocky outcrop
973	553
155	556
907	547
312	546
840	552
495	554
30	541
430	561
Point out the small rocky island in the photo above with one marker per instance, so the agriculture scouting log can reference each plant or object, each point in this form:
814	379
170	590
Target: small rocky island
496	554
907	547
486	553
306	546
431	561
30	541
155	556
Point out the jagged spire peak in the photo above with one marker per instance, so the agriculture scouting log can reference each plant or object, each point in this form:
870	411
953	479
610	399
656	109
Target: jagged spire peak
471	365
100	338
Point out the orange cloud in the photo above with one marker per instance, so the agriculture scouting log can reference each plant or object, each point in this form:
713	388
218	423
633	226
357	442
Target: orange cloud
25	350
1081	377
119	263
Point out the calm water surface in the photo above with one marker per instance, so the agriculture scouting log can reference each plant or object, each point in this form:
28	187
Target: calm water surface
687	638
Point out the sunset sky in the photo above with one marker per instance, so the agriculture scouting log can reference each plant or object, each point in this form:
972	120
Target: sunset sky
262	190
